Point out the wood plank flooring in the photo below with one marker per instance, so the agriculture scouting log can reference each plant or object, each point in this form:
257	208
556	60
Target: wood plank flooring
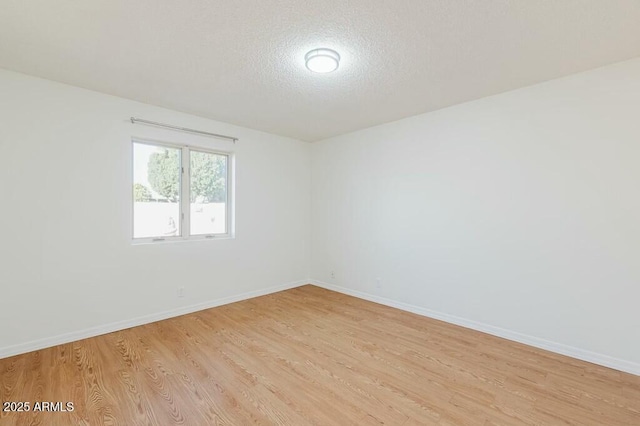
309	356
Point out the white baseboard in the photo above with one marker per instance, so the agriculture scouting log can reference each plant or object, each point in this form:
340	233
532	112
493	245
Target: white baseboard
146	319
581	354
596	358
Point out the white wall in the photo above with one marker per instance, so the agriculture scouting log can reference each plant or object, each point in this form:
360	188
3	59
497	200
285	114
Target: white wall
66	259
518	214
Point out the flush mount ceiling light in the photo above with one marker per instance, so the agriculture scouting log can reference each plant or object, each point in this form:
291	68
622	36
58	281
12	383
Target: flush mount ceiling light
322	60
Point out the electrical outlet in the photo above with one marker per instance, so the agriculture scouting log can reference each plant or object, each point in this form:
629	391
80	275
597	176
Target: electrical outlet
378	282
333	275
180	291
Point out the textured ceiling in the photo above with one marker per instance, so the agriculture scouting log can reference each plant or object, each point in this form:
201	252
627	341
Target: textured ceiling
241	61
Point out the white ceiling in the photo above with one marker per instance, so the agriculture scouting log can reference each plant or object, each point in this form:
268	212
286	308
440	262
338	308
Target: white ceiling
241	61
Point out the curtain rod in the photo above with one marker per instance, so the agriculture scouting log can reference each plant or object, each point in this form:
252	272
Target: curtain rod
182	129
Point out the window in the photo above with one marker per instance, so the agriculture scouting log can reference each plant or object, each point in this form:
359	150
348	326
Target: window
179	192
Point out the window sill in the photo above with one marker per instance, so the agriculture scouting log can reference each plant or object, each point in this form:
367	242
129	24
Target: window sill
171	240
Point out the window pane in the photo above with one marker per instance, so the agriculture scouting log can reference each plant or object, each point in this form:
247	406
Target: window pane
156	191
208	193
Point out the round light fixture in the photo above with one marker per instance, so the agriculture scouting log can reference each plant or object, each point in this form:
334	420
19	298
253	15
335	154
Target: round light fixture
322	60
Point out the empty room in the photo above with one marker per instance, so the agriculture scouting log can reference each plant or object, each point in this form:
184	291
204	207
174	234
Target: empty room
420	212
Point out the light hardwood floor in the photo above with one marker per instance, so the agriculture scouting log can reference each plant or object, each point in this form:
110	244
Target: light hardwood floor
312	356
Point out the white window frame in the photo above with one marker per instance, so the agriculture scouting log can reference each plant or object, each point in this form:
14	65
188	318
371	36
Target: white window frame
185	188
